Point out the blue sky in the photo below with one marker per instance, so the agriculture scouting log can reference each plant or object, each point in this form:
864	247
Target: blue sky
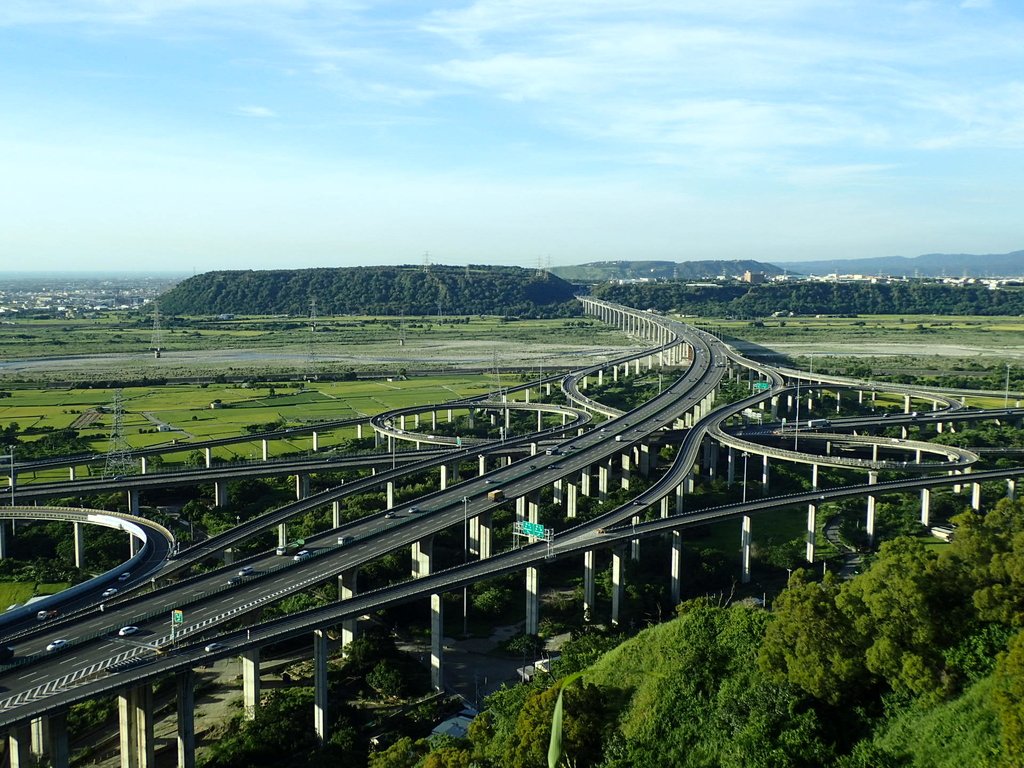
199	134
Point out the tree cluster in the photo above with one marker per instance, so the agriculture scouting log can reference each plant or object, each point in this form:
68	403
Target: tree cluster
805	298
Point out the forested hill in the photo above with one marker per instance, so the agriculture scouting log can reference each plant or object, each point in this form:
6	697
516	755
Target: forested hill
600	271
410	290
817	298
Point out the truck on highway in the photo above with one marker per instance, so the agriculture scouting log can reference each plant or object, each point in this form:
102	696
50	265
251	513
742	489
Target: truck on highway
496	496
816	423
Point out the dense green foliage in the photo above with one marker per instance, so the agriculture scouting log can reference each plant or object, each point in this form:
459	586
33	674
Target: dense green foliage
375	290
911	298
917	662
601	271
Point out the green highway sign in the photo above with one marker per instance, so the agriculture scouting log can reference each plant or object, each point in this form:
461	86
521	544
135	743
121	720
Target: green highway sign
760	386
177	617
533	529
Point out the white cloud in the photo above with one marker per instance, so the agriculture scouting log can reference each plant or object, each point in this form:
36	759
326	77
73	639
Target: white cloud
252	110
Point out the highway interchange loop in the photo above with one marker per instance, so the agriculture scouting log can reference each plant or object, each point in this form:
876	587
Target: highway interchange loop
96	660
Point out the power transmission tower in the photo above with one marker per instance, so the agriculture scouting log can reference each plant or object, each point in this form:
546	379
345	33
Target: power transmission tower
158	334
119	459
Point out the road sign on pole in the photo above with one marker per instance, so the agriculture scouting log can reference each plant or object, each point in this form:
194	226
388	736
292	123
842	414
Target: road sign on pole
177	617
761	386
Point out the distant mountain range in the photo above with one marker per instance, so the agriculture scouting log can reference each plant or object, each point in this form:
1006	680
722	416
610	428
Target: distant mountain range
601	271
928	265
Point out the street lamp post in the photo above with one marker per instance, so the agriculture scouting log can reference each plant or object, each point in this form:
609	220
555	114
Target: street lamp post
10	455
796	421
746	456
465	559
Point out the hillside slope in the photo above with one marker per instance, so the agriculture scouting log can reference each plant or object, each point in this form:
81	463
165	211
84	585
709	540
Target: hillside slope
397	290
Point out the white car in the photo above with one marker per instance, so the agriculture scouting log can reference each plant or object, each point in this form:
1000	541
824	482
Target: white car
125	631
124	576
109	592
245	571
302	554
211	647
56	645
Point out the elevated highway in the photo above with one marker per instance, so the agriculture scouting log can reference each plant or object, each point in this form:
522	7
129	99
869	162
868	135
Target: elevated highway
44	684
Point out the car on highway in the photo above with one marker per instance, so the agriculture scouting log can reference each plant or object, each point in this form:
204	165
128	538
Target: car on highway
343	540
389	515
56	645
245	571
125	631
109	592
211	647
302	554
125	576
414	510
236	580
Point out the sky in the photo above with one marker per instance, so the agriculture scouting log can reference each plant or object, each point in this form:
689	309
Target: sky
189	135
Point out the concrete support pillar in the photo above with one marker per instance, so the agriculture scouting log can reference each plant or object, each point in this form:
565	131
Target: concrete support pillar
359	432
348	585
812	517
40	730
486	534
316	442
282	534
906	403
745	550
422	557
250	682
604	471
79	545
71	474
390	494
59	747
532	600
571	499
143	465
976	497
589	585
634	544
301	486
186	719
266	449
676	566
618	584
586	482
335	514
134	545
208	455
926	504
765	475
135	713
558	492
680	495
814	476
436	641
320	651
533	506
520	508
481	464
19	746
625	461
870	523
220	493
730	467
1011	489
133	502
